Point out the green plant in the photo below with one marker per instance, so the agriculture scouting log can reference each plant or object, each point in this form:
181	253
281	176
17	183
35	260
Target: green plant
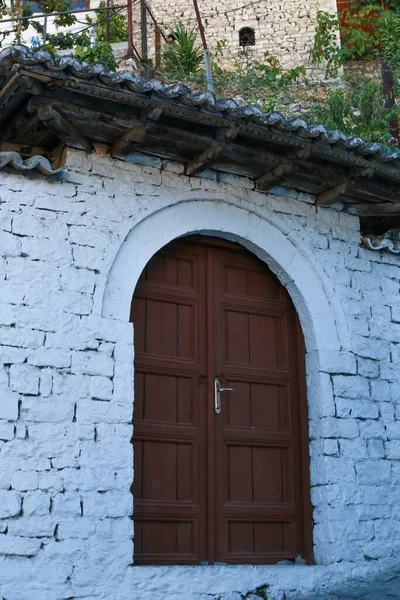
360	110
64	41
367	29
182	55
100	52
118	24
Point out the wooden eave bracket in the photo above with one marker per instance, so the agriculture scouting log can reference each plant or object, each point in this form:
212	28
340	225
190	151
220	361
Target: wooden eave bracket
67	132
204	160
227	133
378	209
274	177
330	196
136	134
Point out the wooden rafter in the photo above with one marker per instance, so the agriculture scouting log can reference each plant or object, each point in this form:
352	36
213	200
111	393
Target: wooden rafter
274	177
136	134
226	133
374	210
65	130
331	196
204	160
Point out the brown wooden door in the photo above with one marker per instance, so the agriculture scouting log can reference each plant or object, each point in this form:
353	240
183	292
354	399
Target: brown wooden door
230	487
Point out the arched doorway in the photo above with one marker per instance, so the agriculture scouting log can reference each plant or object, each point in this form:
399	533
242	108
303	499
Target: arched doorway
219	477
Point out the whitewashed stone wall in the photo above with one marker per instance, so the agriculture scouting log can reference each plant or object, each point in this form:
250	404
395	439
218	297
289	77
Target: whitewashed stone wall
284	28
66	379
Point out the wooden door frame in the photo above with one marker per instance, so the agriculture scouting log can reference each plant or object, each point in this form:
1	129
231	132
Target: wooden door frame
216	242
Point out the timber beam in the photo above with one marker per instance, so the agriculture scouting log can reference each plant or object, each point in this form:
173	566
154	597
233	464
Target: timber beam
226	133
136	134
374	210
204	160
273	177
65	131
330	196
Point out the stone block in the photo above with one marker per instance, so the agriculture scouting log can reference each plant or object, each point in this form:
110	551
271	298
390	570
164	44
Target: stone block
25	480
19	546
101	388
36	504
367	367
373	472
6	431
10	244
393	450
8	405
50	357
376	449
10	504
24	379
67	504
354	387
92	363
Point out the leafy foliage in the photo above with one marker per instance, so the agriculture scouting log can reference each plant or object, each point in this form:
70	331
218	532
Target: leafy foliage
183	55
118	24
64	41
100	52
369	28
359	110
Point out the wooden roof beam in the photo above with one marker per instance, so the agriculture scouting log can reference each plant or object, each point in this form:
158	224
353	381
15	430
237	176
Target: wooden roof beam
374	210
227	133
274	177
66	132
204	160
330	196
136	134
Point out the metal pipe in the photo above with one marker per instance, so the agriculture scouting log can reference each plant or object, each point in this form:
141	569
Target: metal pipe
154	20
45	30
158	47
209	75
200	24
207	61
108	22
143	28
130	30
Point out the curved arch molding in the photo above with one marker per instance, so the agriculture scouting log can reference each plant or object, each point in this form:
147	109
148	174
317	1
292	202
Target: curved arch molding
320	313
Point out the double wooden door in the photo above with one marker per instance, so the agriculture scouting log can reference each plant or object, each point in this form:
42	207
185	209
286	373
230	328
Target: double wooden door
218	486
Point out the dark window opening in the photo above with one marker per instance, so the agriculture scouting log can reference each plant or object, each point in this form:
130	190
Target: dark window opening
247	37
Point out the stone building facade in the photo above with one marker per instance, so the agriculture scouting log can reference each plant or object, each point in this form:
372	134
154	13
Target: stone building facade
72	251
284	29
75	235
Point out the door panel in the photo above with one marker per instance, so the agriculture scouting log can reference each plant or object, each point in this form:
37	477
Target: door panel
170	454
256	439
226	487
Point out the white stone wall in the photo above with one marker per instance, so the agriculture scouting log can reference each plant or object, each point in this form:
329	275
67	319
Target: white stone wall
71	251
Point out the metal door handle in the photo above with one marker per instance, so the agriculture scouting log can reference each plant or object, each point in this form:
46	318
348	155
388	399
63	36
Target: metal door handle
217	395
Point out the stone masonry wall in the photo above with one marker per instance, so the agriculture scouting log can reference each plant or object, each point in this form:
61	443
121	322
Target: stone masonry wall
284	28
66	392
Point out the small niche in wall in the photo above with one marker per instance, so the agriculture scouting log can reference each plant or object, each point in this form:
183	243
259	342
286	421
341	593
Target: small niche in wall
247	37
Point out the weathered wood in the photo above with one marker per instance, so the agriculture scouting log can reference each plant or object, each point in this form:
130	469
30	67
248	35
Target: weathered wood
226	133
64	130
23	150
150	114
204	160
374	210
274	177
136	134
331	196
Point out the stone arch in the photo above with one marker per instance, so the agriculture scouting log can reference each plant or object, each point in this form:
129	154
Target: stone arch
320	314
